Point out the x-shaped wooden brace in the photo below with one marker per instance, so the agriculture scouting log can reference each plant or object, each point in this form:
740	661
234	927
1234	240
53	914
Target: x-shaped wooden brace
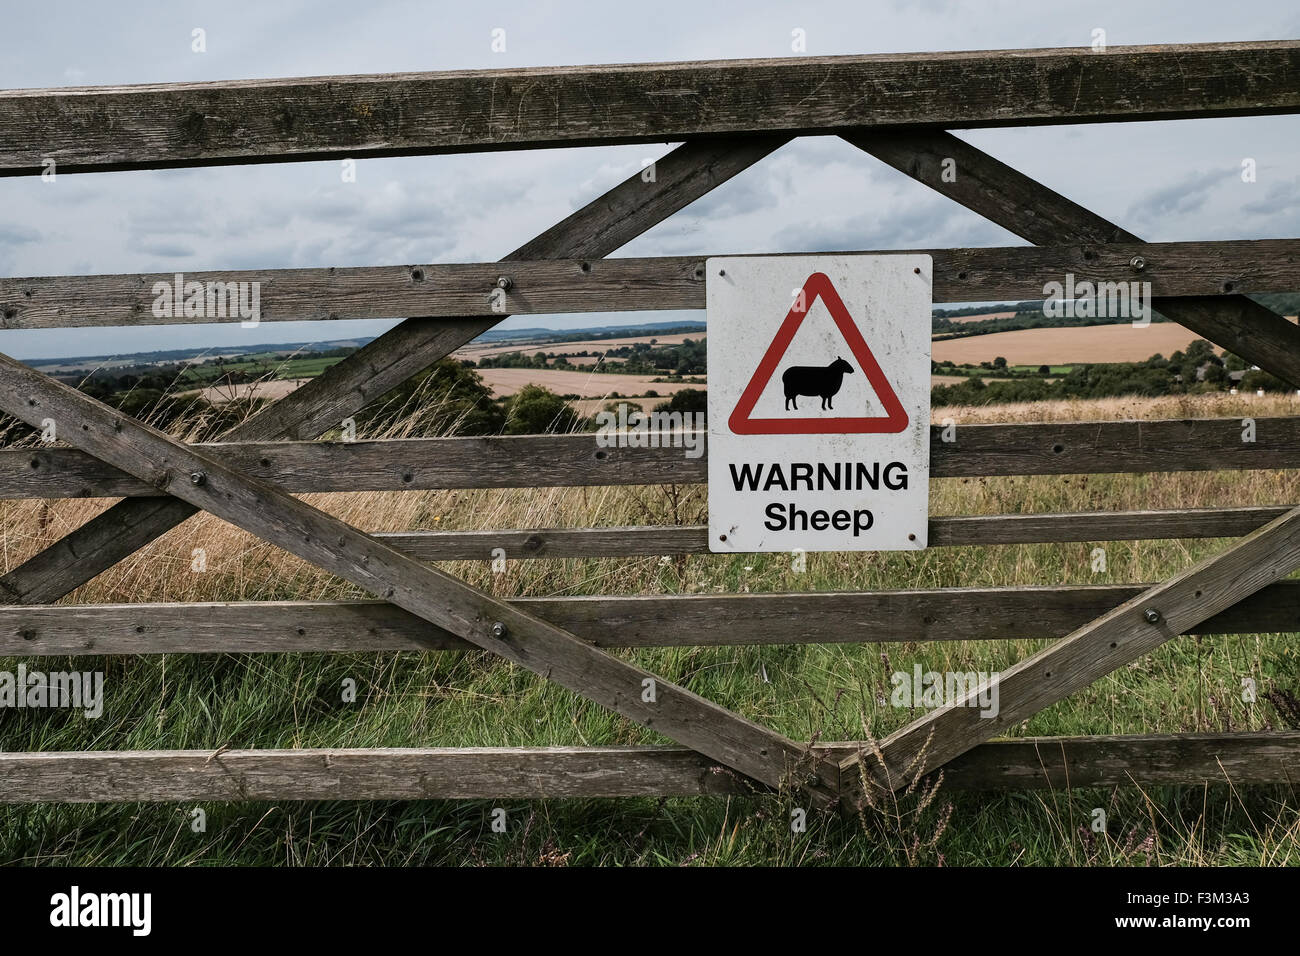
987	186
1033	211
1131	630
198	480
1164	611
595	230
259	507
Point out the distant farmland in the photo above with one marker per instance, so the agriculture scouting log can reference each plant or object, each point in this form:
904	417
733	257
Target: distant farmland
507	381
480	350
272	389
979	317
1097	343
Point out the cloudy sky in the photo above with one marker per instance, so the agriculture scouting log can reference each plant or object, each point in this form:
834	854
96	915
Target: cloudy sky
1167	181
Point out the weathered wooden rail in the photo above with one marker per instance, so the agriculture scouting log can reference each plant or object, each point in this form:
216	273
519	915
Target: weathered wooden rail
531	773
198	124
1058	448
866	617
1174	269
892	107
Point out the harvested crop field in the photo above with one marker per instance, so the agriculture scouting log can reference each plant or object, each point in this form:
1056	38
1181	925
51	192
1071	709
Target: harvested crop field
1097	343
273	389
507	381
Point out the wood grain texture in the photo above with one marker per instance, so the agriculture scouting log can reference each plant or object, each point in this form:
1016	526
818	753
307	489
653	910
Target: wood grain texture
405	464
1123	447
1044	217
536	773
595	229
945	531
1087	654
195	124
543	461
466	290
1137	525
610	621
256	506
1058	763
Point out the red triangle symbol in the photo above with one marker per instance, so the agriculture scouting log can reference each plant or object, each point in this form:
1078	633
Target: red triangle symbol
895	418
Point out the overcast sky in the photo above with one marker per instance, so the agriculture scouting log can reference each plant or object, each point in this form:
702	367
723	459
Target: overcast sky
1176	180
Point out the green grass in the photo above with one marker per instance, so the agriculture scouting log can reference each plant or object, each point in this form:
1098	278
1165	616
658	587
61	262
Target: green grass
825	691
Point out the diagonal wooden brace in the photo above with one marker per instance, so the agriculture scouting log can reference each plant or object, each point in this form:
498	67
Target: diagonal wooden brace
596	229
1037	213
201	479
1033	211
1131	630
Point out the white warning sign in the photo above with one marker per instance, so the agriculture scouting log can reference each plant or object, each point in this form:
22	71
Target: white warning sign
819	402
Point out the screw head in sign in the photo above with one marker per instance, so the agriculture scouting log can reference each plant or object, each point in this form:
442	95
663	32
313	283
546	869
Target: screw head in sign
1138	263
499	630
1152	616
198	477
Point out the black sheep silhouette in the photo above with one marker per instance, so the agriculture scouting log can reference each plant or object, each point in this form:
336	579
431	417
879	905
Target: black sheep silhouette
814	380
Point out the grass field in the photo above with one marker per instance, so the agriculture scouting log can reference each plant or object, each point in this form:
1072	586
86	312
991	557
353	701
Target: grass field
277	381
263	365
831	692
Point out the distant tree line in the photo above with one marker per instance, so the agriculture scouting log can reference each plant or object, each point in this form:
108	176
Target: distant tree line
1196	369
639	358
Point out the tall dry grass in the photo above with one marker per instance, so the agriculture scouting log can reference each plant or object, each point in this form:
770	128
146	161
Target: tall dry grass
805	691
240	566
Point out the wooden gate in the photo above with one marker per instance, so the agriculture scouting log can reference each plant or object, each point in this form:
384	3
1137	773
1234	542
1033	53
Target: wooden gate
728	116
